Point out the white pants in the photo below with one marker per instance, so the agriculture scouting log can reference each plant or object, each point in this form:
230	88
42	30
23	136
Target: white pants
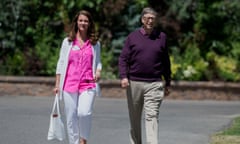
78	111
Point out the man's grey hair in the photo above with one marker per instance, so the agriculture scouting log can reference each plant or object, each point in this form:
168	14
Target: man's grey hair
148	10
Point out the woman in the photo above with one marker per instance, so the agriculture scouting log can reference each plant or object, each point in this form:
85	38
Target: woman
78	71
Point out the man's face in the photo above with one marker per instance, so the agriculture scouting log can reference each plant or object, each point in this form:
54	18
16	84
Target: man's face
148	21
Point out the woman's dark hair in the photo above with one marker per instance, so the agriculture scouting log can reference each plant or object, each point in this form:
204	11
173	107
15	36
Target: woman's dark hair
91	33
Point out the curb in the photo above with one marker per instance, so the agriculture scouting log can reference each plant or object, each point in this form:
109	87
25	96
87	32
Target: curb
197	90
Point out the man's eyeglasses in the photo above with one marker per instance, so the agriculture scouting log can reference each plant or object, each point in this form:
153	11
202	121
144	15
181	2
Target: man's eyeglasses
149	18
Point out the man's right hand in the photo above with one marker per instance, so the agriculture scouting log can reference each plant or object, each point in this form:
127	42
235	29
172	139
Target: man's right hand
124	83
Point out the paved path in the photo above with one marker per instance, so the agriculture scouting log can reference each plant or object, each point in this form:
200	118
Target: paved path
24	120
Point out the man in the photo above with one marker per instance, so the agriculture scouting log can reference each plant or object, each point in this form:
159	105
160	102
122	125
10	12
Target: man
143	62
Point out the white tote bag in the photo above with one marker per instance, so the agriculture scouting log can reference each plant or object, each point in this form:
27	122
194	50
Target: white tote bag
56	127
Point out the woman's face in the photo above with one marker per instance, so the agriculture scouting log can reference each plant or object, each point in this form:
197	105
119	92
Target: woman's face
148	21
83	23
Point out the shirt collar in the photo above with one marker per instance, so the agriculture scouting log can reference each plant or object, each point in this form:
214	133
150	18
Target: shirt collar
76	42
142	30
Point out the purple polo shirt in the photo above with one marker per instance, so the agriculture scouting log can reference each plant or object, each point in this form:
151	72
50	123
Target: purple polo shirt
145	57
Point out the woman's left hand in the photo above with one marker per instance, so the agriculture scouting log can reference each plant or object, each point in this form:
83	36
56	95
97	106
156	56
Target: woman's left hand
97	76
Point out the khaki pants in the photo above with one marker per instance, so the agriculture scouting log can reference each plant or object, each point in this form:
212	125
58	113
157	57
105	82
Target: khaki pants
147	95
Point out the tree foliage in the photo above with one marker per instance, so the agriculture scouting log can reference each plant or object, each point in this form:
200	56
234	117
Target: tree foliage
201	34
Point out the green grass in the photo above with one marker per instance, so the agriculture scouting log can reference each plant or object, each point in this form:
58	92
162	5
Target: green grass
230	135
234	129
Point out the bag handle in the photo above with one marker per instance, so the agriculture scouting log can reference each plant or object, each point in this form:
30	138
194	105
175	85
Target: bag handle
56	105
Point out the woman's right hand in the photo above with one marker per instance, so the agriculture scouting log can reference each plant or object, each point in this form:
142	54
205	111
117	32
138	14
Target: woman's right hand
56	90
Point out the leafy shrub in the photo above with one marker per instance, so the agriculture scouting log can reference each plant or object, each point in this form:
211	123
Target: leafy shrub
106	58
14	64
225	67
